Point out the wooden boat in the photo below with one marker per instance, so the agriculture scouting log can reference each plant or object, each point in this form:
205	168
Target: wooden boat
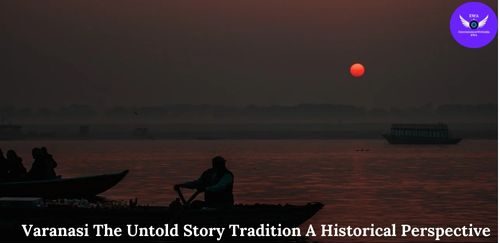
157	217
79	187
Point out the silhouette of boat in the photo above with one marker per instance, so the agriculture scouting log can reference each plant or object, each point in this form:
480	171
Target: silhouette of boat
79	187
420	134
243	215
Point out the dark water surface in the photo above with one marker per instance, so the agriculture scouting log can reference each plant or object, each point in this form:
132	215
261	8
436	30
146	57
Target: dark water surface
452	185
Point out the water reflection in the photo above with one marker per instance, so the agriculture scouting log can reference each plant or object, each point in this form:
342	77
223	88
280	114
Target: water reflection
421	185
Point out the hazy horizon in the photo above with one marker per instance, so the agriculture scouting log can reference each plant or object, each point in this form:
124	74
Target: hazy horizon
223	114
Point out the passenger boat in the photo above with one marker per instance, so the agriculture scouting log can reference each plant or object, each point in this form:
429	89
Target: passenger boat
79	187
420	134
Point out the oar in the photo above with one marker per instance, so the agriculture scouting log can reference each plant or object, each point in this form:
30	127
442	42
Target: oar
192	197
185	204
183	200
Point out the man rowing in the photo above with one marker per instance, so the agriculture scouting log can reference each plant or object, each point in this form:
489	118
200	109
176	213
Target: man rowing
216	183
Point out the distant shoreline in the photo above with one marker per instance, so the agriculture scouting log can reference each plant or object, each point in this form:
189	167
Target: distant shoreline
228	131
211	139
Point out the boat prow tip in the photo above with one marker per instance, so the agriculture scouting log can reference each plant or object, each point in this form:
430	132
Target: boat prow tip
123	173
318	205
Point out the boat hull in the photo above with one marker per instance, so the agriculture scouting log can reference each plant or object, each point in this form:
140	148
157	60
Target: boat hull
81	187
419	140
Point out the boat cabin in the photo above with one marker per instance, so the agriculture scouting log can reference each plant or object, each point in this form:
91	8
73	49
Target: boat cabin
420	130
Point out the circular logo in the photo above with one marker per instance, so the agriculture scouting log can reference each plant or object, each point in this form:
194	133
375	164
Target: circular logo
473	24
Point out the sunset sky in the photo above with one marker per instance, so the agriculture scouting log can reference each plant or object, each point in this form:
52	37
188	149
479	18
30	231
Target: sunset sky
107	53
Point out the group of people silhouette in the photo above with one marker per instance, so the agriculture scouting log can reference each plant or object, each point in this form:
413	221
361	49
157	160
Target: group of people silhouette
12	168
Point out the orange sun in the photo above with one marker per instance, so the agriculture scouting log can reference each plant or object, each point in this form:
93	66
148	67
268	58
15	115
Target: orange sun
357	70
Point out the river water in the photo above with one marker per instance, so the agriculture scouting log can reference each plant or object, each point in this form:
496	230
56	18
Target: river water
360	181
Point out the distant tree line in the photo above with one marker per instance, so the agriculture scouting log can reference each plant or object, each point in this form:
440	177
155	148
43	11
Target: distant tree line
250	111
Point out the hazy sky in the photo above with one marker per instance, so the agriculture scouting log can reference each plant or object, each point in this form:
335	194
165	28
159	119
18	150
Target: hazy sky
238	52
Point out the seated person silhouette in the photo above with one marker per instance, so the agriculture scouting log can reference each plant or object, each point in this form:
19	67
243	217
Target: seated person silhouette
50	162
216	183
43	165
15	165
